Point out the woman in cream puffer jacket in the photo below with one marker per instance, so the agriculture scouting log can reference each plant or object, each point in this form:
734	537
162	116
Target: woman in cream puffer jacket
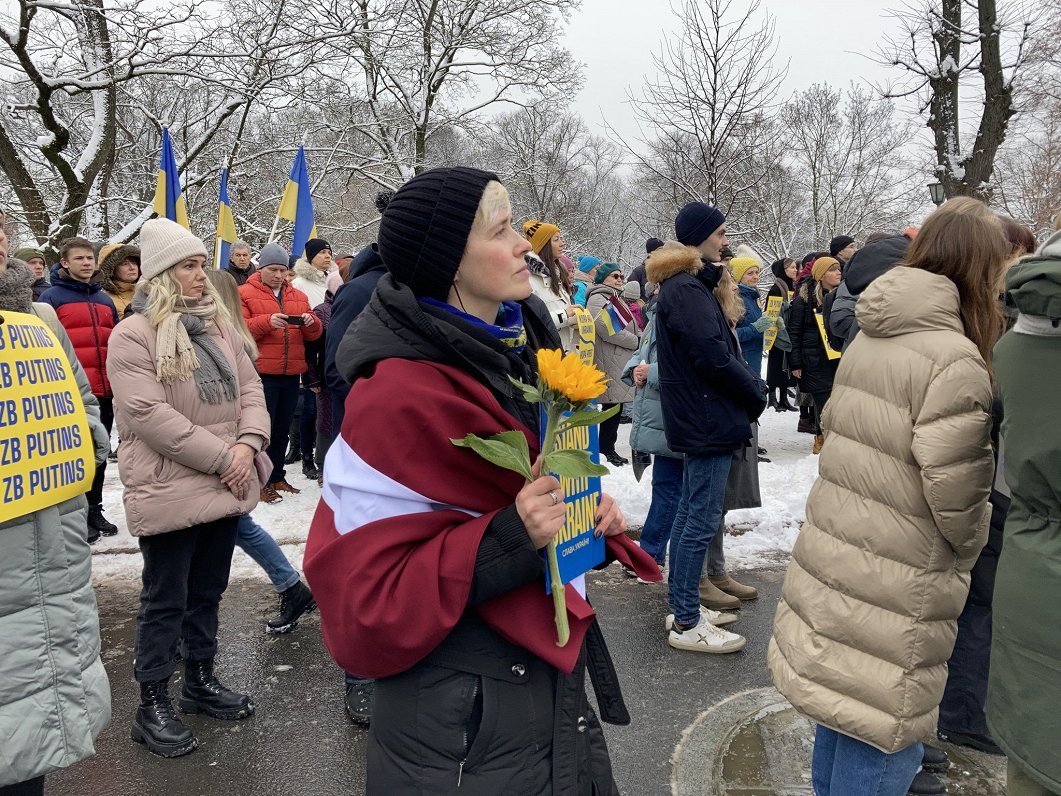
899	512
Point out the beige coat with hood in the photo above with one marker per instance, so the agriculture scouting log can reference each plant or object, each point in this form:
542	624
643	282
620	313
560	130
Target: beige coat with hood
895	521
174	444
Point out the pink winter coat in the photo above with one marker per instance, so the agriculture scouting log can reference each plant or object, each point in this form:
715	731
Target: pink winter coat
174	445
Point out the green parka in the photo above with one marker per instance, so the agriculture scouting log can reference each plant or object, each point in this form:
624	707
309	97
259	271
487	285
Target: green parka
1024	693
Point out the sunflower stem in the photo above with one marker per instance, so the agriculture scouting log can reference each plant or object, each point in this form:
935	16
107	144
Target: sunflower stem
563	632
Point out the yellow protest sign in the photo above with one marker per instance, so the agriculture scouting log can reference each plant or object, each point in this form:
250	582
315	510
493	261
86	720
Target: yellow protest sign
585	335
773	312
830	352
46	448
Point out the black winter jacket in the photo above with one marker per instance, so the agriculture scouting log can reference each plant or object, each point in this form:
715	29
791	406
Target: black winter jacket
481	715
868	263
709	394
808	351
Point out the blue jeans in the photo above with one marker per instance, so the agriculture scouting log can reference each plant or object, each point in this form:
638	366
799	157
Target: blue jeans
715	561
696	523
666	495
845	766
256	542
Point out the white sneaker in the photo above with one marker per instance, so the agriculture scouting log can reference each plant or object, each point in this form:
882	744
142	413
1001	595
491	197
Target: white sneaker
716	618
662	572
705	637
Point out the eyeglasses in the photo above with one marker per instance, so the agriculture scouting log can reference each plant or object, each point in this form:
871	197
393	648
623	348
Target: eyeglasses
616	275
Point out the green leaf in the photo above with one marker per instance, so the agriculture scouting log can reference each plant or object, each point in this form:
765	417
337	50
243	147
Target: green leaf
502	450
572	463
531	394
588	417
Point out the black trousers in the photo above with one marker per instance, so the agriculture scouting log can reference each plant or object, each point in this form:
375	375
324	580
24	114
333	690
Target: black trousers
106	414
609	431
281	398
820	400
185	574
30	787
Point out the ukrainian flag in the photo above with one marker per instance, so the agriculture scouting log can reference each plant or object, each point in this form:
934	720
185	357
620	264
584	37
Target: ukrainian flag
226	225
169	203
297	205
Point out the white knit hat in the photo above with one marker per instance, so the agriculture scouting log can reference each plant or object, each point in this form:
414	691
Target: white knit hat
163	244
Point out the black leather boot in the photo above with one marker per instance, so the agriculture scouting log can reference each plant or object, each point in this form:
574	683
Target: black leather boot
157	727
203	693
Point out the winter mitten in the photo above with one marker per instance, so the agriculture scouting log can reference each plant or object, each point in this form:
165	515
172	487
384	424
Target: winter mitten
764	323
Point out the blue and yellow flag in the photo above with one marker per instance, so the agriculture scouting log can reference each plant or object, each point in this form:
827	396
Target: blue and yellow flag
615	316
169	202
226	225
297	205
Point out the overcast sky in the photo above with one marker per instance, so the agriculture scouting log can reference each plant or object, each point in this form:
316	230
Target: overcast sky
824	41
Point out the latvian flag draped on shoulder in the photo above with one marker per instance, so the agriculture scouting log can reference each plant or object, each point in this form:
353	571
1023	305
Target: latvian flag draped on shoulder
392	547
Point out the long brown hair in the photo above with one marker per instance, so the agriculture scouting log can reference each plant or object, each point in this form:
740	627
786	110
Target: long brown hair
228	297
963	240
558	275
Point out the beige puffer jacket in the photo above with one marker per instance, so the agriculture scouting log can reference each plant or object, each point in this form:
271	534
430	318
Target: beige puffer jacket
174	444
895	521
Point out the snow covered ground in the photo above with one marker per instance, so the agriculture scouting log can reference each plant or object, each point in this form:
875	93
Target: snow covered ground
760	537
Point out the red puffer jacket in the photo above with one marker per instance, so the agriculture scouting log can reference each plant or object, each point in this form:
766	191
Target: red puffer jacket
88	316
280	351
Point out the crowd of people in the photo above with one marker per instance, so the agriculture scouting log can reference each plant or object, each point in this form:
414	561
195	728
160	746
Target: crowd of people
906	612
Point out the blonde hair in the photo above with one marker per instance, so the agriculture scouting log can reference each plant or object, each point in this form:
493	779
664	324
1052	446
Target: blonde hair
731	302
492	203
964	241
228	297
164	293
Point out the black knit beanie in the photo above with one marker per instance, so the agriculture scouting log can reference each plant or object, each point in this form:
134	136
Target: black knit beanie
652	244
315	246
839	243
425	228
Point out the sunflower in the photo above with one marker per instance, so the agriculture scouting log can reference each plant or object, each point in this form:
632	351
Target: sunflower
569	376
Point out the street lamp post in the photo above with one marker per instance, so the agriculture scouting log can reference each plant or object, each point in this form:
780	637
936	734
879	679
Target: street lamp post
935	190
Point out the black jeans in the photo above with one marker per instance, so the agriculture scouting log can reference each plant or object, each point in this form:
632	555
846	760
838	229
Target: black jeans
609	431
185	574
307	425
281	398
30	787
820	400
106	414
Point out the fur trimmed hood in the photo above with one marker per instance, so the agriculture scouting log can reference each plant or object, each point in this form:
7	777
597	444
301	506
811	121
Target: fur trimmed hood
671	259
310	273
110	258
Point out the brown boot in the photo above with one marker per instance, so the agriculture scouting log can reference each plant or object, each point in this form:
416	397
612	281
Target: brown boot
714	598
283	486
819	440
269	495
733	588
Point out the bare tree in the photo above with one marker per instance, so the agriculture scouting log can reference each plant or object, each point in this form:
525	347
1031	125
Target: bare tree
952	50
716	75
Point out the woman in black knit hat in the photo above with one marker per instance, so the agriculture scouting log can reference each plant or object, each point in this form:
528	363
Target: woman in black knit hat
777	377
425	558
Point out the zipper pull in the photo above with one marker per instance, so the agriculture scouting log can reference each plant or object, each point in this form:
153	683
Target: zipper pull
460	772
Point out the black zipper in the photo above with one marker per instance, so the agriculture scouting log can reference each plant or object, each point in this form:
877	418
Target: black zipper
460	769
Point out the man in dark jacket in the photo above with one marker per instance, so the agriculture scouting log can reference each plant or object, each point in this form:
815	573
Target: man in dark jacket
638	274
710	399
866	265
88	315
239	265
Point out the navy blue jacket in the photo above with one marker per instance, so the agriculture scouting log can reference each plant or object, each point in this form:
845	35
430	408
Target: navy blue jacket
751	341
709	394
365	270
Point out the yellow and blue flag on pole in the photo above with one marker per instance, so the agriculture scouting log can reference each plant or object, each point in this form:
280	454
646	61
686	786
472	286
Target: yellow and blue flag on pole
226	225
169	202
297	205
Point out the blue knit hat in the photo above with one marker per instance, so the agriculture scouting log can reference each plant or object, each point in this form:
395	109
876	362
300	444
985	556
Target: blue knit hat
587	262
696	221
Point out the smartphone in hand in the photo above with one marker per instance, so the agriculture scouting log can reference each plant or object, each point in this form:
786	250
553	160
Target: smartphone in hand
295	320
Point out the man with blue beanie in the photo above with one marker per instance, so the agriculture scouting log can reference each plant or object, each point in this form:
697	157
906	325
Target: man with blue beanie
710	399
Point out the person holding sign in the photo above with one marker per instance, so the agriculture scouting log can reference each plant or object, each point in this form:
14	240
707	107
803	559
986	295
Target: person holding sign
813	363
191	415
424	557
55	699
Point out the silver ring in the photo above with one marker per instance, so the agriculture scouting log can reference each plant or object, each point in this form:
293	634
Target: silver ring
554	497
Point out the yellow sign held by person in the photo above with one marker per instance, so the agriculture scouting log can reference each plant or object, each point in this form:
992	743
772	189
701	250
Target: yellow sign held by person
585	335
46	449
830	352
773	312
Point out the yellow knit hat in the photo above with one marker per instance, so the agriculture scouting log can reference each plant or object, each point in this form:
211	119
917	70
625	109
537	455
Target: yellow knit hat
822	266
539	233
741	265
